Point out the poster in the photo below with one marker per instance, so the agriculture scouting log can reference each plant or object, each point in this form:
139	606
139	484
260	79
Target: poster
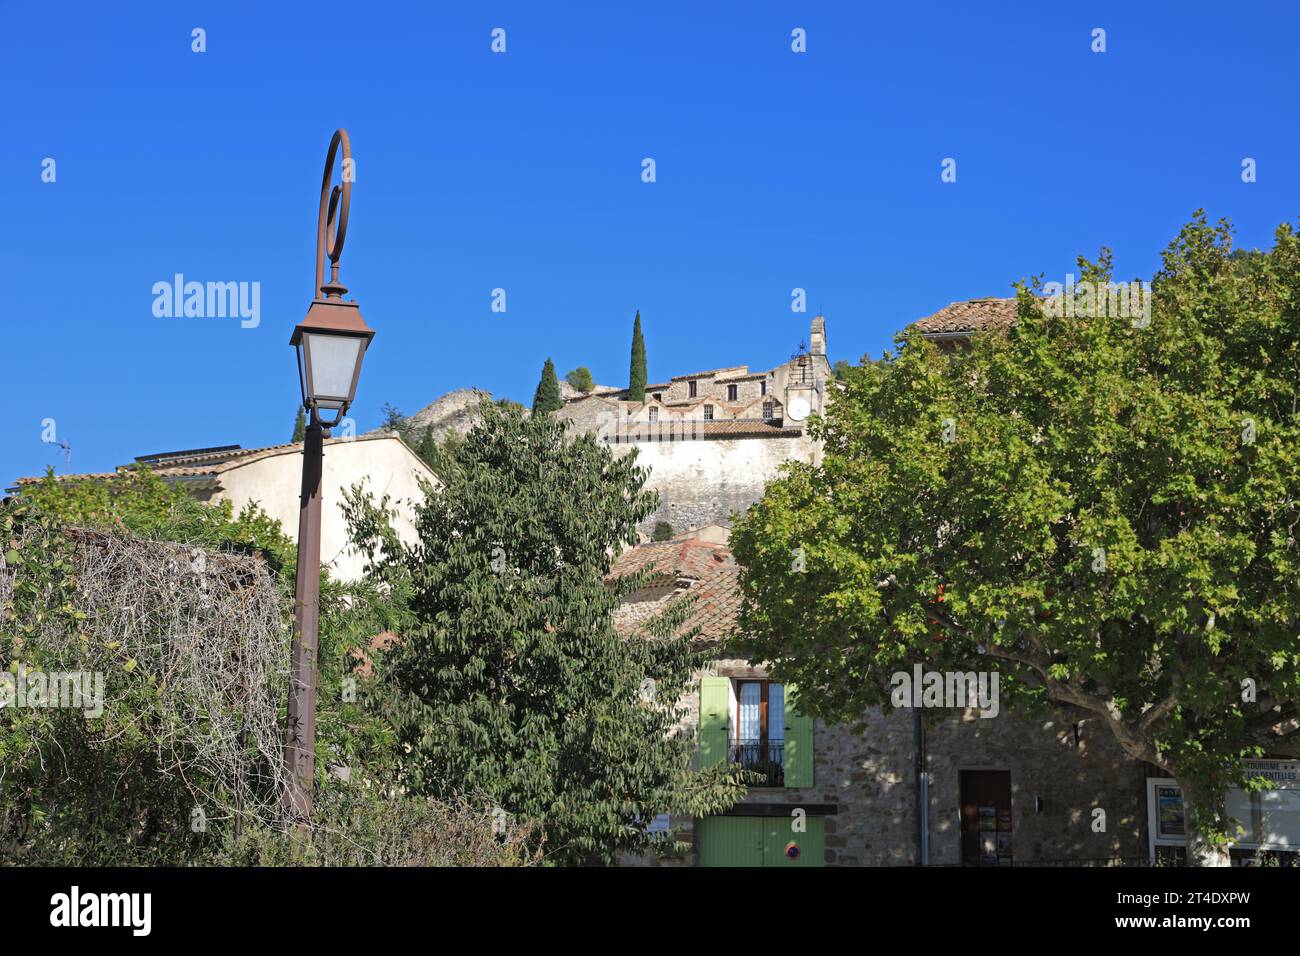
1169	803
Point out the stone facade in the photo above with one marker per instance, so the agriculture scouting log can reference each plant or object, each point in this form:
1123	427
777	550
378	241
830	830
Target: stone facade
864	786
868	777
705	482
712	440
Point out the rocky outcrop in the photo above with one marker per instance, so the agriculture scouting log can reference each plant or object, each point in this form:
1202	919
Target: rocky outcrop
454	412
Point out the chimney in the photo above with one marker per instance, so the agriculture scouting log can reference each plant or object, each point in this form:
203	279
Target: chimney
817	337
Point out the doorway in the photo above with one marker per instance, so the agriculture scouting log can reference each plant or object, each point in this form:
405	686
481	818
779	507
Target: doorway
986	818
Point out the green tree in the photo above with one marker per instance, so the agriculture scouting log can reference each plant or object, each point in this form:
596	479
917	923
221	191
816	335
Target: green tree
663	531
547	397
580	378
1110	507
140	502
509	679
428	447
637	375
54	811
299	427
148	823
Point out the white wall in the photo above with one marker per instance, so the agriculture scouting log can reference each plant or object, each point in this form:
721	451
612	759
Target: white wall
383	464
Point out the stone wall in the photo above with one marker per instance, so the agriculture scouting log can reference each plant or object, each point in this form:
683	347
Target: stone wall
705	481
640	606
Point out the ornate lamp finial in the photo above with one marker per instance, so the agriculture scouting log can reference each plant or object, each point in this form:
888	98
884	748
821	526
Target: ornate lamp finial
332	220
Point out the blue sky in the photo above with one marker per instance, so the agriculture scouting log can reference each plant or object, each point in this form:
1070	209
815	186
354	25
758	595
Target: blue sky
522	171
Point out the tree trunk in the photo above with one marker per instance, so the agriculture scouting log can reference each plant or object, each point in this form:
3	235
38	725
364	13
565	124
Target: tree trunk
1200	851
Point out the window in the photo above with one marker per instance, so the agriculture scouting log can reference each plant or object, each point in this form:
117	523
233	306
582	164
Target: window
708	413
691	385
1268	821
760	729
654	415
769	409
731	392
754	722
659	396
762	387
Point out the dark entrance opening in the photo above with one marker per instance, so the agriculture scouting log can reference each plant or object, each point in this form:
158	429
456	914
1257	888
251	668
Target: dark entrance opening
985	817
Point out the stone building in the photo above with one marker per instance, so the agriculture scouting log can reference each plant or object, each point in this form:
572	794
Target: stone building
712	439
998	790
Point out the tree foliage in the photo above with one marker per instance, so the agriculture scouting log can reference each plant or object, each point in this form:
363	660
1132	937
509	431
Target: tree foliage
580	378
1108	509
547	397
509	679
154	744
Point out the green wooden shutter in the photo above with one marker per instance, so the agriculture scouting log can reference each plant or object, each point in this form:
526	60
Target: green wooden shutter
798	743
715	693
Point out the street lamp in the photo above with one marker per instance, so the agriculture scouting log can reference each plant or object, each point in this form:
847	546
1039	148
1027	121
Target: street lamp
331	343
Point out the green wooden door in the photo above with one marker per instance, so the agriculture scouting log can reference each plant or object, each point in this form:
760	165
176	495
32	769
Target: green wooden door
758	841
811	844
730	841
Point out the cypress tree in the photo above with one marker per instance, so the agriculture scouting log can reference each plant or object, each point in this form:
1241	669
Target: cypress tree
299	427
636	377
547	397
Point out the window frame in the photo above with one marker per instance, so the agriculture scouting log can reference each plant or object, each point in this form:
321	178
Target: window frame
765	684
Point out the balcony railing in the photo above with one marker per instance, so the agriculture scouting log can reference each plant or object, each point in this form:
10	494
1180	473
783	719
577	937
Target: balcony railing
765	758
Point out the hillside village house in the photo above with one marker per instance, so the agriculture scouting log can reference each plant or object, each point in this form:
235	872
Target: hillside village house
998	791
712	439
272	477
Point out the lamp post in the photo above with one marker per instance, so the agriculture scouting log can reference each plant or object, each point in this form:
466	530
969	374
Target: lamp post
331	343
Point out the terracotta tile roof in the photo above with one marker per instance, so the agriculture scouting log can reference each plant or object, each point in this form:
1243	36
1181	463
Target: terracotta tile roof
748	427
738	369
974	315
89	476
706	571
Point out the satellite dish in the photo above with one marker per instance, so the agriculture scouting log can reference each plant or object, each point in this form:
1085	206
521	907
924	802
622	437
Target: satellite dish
798	409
